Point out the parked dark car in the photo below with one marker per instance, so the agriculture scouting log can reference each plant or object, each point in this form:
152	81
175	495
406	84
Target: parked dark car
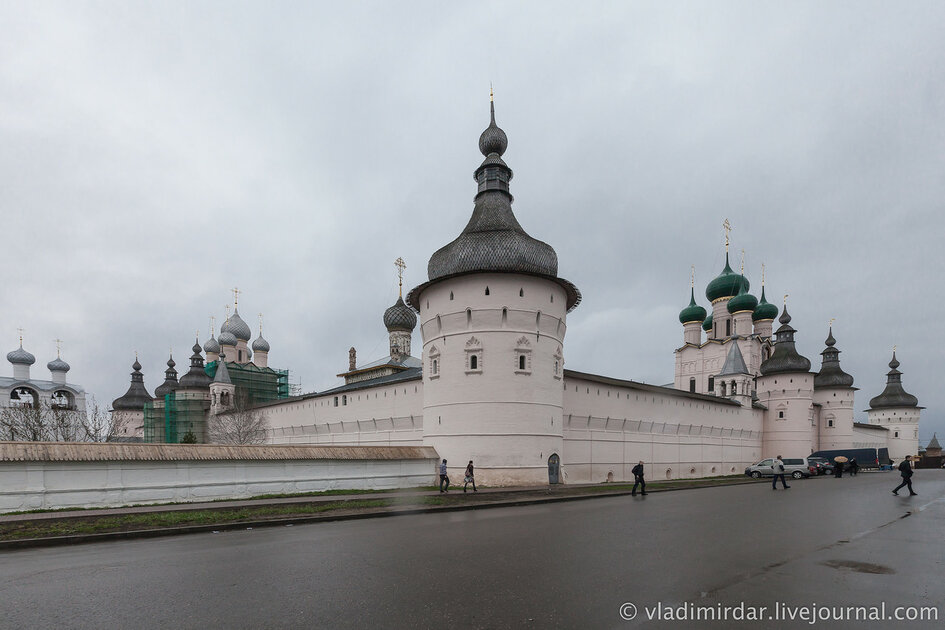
821	465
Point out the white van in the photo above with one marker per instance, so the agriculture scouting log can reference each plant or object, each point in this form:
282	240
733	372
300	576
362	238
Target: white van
797	467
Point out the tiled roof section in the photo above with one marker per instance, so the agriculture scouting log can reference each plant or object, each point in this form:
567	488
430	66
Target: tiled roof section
7	382
86	452
734	362
410	374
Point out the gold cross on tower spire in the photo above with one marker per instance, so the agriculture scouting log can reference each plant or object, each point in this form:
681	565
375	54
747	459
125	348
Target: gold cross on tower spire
728	228
692	278
401	265
236	296
785	298
762	274
213	325
20	332
832	320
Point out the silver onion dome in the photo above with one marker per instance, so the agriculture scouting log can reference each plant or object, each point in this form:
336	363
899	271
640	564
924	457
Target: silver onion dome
20	356
400	317
212	345
237	326
260	345
58	365
227	338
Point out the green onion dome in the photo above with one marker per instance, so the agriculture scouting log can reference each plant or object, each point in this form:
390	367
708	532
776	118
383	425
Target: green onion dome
707	324
693	312
744	301
727	284
764	310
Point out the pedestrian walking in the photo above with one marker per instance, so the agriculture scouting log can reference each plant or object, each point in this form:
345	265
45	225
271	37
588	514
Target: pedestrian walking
470	477
854	467
444	478
638	479
905	469
778	467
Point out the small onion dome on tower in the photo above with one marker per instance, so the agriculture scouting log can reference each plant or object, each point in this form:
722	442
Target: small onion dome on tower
260	344
20	356
228	339
830	374
170	379
137	395
212	345
493	240
400	317
785	357
764	310
693	312
894	395
726	285
58	365
196	377
744	301
235	324
707	324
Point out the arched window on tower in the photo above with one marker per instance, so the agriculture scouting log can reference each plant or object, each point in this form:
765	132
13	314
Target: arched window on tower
728	328
692	385
473	362
521	361
711	389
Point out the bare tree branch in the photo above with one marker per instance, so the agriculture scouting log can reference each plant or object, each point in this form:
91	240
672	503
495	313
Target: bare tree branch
241	425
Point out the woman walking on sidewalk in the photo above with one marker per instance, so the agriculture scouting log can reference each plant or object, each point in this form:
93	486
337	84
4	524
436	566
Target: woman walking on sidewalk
470	477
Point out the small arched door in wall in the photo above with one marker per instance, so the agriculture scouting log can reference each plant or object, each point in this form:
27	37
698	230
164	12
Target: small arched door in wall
554	469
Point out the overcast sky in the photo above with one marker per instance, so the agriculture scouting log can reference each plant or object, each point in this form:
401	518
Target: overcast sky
153	156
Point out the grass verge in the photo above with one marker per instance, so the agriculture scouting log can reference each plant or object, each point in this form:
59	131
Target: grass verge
156	520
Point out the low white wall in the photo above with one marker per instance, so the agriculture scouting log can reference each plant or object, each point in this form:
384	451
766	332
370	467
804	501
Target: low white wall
42	482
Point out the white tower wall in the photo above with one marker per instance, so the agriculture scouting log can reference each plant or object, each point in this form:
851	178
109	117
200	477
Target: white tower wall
836	407
787	423
505	418
903	426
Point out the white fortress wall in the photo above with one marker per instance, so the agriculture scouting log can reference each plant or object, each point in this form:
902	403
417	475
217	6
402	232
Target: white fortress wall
390	414
610	425
50	475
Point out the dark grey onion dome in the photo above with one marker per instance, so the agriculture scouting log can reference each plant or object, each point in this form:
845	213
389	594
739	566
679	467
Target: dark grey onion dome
785	357
227	339
493	240
237	326
212	345
170	380
493	139
196	377
830	375
400	317
136	396
260	345
58	365
894	395
20	356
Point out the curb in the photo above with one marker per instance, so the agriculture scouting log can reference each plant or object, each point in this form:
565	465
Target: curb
77	539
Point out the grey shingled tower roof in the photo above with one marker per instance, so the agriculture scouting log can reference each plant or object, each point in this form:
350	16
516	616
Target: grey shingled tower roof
894	395
734	362
831	375
933	443
785	357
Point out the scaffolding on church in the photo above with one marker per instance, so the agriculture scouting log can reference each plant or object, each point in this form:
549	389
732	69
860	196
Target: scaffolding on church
170	420
258	384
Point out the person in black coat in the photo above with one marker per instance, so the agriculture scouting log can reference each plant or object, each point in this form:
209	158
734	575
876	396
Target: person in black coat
854	467
638	480
837	469
905	469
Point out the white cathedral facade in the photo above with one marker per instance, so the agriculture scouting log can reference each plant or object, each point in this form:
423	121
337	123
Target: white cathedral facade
491	384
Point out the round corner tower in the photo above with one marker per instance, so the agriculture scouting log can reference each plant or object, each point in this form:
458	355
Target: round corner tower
493	320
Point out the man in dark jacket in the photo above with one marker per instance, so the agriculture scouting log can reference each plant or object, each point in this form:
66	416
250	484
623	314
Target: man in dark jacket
905	469
638	480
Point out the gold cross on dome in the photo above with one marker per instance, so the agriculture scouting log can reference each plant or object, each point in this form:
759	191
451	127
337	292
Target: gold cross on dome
762	274
401	265
260	324
785	299
213	325
743	262
226	307
20	332
58	347
236	296
692	277
728	228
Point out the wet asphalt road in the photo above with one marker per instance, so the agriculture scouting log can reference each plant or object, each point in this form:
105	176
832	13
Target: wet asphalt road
567	565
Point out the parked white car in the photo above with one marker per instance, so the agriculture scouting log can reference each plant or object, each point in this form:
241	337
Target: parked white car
797	467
